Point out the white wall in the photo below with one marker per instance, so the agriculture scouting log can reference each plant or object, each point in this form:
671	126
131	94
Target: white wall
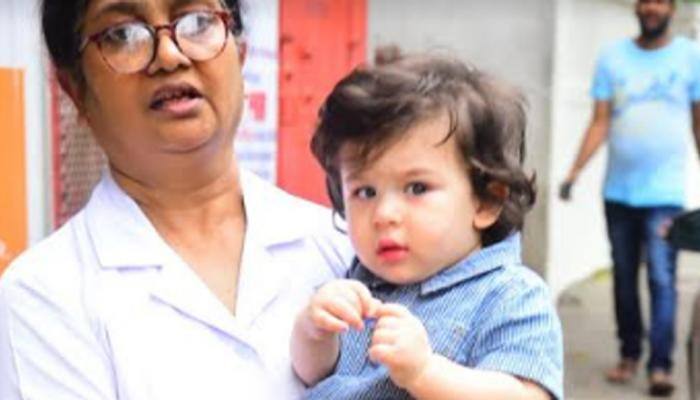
578	239
688	22
21	47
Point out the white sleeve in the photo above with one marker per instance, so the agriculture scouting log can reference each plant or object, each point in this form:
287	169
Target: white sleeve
48	349
338	251
8	372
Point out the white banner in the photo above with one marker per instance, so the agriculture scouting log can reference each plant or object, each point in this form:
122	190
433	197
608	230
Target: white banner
256	142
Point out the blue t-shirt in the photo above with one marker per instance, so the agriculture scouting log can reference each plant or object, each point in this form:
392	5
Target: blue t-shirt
488	312
651	92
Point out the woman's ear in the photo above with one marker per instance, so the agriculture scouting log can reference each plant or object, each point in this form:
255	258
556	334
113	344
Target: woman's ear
69	85
242	46
488	211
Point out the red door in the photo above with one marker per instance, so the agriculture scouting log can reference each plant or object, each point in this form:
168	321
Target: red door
320	42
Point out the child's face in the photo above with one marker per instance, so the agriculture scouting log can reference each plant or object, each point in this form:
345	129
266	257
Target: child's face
411	211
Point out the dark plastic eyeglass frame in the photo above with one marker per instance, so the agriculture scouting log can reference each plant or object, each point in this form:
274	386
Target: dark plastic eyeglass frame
225	17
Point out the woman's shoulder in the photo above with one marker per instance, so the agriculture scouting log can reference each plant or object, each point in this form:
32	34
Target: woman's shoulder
51	266
288	209
48	275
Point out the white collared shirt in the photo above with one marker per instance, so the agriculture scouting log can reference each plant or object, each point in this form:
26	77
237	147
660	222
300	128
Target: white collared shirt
105	309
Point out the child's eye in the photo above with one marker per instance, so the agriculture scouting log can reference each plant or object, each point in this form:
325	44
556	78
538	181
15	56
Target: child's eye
364	192
416	188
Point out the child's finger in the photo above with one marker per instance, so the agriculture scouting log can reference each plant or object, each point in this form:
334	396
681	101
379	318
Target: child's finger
392	310
384	336
325	321
343	309
367	301
380	353
349	294
388	323
372	306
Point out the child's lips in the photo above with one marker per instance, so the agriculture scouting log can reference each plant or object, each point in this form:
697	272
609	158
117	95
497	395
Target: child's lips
390	251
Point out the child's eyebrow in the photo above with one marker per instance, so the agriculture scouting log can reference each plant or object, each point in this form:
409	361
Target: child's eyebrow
420	171
353	175
352	168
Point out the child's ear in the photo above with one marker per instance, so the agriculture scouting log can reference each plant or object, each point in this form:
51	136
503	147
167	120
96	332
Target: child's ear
487	212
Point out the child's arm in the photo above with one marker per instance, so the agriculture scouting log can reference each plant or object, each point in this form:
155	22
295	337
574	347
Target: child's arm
336	306
445	379
401	343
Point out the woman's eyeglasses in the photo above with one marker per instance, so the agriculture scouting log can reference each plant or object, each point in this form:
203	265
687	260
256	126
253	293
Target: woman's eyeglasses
131	47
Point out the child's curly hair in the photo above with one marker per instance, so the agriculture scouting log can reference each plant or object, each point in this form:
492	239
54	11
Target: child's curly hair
374	106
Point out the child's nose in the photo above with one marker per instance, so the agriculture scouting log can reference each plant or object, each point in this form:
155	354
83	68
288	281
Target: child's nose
389	211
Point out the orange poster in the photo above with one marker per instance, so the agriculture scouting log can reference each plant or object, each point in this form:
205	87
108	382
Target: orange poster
13	185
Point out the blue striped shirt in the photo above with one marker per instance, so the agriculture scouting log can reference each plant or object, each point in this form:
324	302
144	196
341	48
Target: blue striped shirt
488	312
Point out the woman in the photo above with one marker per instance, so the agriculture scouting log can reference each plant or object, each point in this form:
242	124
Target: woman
181	277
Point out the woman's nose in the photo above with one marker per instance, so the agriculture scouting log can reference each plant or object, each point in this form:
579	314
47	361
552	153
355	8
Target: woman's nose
168	57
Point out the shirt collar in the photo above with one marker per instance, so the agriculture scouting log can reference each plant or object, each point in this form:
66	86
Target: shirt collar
483	261
123	236
269	212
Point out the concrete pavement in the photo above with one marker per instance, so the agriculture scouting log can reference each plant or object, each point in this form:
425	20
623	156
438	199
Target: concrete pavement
589	335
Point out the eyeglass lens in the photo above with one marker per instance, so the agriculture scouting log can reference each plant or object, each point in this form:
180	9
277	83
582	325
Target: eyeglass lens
130	47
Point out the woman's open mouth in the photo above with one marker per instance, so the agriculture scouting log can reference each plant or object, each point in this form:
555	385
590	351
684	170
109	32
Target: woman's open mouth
177	100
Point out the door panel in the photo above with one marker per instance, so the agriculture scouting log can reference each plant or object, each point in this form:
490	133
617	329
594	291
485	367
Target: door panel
320	42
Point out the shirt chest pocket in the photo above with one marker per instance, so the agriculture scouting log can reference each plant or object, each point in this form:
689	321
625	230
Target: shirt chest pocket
446	338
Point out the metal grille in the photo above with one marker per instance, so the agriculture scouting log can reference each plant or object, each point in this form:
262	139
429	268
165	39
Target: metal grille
77	159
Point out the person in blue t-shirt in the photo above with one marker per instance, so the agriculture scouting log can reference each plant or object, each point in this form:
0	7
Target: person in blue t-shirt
646	93
423	157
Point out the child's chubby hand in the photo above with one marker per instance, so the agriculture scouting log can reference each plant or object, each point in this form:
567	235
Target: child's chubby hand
337	306
400	342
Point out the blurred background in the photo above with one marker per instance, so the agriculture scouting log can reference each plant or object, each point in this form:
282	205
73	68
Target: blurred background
297	50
